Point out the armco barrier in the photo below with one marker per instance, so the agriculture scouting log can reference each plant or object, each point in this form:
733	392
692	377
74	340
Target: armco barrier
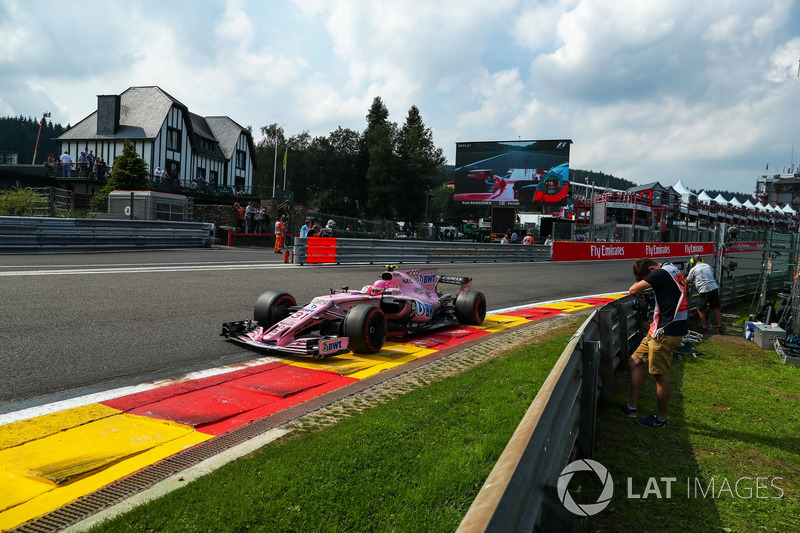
520	493
322	250
35	235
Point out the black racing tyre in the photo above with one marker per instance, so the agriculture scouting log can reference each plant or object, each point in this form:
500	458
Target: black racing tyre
272	307
470	307
365	326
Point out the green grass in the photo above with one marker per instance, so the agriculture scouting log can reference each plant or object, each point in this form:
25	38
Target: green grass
413	464
416	462
734	414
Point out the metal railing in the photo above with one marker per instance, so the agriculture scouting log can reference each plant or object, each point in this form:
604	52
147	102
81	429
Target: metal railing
35	235
319	250
520	493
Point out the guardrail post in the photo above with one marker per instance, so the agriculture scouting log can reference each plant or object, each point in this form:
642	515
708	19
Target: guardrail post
590	355
607	352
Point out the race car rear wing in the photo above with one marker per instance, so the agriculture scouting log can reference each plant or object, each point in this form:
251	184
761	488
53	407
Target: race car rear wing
465	282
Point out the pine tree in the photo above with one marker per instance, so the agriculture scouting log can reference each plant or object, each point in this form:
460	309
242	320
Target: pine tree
418	161
379	141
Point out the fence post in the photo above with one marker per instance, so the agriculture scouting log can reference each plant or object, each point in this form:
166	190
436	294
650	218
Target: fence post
588	406
51	201
606	370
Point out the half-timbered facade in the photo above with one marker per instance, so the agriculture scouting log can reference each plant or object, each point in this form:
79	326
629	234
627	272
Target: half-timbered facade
167	135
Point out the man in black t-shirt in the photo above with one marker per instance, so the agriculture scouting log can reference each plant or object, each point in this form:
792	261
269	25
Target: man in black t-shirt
666	332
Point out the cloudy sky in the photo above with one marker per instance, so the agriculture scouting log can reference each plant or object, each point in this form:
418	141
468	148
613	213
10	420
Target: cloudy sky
648	90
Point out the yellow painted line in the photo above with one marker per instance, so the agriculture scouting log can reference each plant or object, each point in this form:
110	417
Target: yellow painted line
616	296
18	433
393	354
359	365
568	307
48	473
495	323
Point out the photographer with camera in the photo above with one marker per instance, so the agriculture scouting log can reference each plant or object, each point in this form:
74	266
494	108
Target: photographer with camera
670	324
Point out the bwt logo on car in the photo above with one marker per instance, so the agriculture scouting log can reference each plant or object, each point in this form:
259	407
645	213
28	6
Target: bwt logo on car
331	346
651	249
606	251
423	309
425	279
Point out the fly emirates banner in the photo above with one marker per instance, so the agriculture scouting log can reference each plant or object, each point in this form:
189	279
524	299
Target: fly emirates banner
591	251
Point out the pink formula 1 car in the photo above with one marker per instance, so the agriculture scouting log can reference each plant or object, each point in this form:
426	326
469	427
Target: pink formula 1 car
402	302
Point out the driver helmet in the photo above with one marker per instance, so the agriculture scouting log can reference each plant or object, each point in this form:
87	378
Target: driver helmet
378	287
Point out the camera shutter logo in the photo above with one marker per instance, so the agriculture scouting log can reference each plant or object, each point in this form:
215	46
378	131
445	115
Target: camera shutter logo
565	477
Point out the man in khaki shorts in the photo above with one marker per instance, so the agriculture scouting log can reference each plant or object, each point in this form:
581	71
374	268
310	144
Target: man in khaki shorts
665	334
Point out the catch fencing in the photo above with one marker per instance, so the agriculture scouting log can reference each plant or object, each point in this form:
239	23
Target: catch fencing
322	250
37	235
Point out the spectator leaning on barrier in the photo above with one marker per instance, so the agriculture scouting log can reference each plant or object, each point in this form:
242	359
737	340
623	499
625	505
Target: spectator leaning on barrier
702	275
527	239
665	334
305	228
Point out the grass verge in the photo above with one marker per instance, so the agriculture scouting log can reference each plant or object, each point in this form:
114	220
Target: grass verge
732	446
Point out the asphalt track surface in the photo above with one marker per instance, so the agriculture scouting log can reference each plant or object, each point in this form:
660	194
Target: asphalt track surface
73	324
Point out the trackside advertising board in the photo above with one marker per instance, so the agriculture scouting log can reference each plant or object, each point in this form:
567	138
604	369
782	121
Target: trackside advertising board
602	251
512	173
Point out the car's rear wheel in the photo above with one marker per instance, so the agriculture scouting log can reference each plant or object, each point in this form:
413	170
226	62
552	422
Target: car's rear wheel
365	326
470	307
272	307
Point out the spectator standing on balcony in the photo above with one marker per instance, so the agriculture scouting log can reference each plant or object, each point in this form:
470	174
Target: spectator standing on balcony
66	165
280	228
158	174
84	163
665	334
702	275
91	158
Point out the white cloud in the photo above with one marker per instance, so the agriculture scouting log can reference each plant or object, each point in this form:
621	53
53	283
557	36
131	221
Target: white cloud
648	90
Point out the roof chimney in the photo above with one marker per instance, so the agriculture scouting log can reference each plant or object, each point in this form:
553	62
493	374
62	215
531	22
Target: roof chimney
107	114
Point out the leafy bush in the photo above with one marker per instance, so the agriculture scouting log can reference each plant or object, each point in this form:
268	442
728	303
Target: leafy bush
18	202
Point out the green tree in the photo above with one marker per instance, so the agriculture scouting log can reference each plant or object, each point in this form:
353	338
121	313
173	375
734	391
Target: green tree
418	161
379	140
129	173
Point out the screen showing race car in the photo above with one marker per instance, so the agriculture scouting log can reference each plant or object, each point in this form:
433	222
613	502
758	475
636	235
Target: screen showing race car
512	172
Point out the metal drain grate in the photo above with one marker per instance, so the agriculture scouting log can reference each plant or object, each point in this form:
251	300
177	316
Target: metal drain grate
121	489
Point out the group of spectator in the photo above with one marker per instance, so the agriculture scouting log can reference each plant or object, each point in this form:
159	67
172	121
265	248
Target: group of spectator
251	219
310	229
88	165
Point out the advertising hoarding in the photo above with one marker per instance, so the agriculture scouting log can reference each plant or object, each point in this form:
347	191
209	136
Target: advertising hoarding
512	173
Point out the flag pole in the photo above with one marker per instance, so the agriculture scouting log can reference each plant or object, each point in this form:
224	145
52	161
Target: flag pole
285	155
275	168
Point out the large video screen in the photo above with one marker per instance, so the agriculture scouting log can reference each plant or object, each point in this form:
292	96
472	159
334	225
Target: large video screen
512	172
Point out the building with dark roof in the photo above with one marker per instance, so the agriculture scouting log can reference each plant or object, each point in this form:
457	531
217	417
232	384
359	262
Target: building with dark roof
167	135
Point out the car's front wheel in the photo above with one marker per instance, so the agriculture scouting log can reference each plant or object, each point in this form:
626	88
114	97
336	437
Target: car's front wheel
470	307
272	307
365	326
